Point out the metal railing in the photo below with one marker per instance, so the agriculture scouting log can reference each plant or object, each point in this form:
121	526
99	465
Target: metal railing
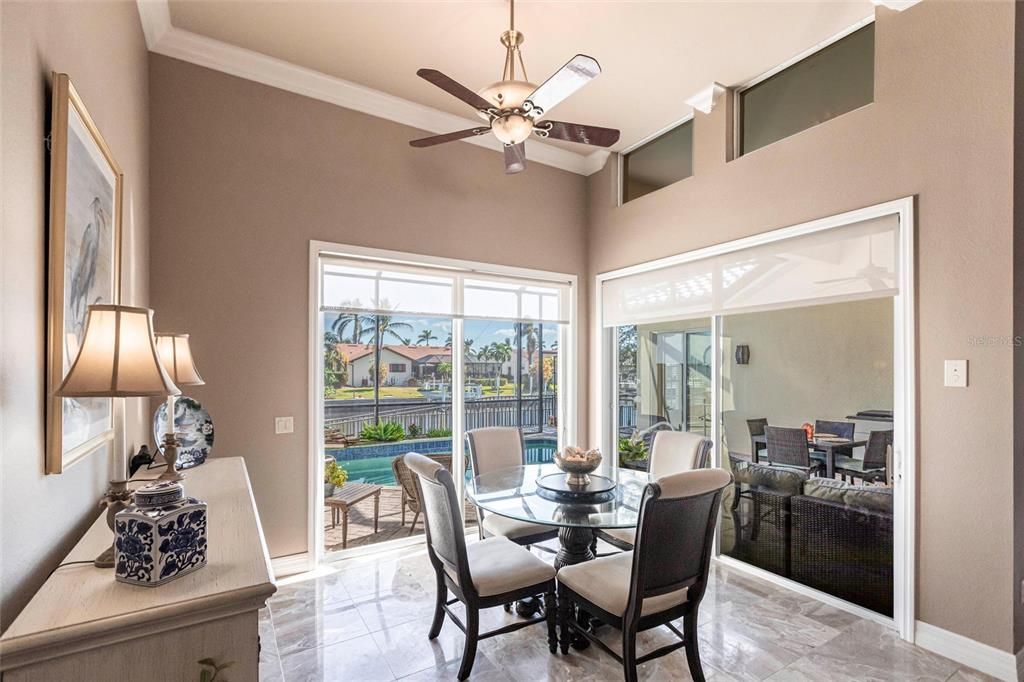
427	416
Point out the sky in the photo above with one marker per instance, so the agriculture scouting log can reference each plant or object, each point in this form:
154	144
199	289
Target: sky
481	332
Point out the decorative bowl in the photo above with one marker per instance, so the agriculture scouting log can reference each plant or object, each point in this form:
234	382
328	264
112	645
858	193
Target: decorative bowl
577	463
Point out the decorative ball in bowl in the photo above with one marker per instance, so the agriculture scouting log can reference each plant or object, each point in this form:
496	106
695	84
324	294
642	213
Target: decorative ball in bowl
577	463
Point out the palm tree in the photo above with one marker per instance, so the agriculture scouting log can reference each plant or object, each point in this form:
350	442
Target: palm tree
425	337
467	347
388	326
501	353
448	341
356	321
529	332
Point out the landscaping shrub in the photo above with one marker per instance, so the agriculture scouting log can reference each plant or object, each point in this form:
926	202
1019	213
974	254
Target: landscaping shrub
384	432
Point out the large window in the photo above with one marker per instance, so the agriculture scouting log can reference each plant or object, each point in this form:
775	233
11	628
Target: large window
412	358
836	79
664	160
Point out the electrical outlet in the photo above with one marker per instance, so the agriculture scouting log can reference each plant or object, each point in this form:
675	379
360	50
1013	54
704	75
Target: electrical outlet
284	424
956	373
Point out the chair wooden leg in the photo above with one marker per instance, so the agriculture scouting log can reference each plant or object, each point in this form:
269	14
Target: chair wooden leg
551	612
564	612
691	644
442	597
413	526
629	654
403	508
472	633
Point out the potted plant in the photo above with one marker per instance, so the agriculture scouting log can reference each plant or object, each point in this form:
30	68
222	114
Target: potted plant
334	477
632	449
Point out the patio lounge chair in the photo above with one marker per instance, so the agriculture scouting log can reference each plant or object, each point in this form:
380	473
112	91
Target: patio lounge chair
406	479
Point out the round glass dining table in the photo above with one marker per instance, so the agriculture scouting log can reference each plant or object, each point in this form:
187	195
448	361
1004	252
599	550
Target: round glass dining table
513	492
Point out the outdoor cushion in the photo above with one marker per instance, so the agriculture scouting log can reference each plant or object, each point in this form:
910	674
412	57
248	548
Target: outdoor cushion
605	583
854	464
781	480
495	524
498	565
869	498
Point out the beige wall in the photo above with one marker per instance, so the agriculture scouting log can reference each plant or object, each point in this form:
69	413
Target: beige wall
940	129
818	362
100	45
1018	330
247	176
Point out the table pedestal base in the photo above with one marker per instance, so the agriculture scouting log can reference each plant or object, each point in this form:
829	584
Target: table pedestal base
576	547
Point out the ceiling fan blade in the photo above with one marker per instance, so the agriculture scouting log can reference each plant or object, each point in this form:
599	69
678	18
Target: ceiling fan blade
515	158
577	72
454	88
448	137
575	132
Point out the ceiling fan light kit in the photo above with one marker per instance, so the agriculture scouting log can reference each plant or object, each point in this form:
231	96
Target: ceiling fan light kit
513	107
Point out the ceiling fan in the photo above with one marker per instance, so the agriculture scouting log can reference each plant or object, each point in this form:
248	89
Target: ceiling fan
513	108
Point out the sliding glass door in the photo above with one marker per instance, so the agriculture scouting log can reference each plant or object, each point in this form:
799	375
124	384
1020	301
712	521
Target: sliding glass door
411	357
788	352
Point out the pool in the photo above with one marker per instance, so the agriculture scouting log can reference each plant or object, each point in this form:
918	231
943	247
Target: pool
372	463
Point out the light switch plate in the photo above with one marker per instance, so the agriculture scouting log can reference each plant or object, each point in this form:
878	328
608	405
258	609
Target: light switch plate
284	424
956	373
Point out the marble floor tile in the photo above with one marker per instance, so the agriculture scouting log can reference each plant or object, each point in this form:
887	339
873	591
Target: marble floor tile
368	620
388	609
868	651
317	626
356	659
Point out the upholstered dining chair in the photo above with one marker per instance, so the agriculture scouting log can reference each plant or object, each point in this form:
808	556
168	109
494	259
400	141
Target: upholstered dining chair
502	447
482	575
787	447
671	453
660	581
873	467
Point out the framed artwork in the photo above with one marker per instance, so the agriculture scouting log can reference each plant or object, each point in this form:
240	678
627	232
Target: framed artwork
84	268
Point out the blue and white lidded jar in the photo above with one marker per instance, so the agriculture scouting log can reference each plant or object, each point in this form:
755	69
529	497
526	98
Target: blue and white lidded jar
160	536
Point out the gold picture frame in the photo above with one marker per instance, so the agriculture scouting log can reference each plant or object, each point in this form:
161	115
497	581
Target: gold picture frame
86	186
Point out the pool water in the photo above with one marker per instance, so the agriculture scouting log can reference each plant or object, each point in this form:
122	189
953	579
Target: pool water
363	469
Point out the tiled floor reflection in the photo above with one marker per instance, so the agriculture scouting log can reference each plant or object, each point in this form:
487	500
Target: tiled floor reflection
366	619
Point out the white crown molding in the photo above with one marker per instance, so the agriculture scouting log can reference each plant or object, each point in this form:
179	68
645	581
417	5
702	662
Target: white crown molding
992	661
898	5
163	38
704	101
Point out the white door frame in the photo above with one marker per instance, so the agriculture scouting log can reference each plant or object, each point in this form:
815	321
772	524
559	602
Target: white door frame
904	393
568	391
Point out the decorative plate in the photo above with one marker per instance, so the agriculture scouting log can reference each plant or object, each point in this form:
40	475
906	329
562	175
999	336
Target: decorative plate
194	429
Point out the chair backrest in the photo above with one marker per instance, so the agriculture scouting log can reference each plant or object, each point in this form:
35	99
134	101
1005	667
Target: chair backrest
407	479
874	453
675	451
442	519
756	426
674	532
787	446
838	429
495	447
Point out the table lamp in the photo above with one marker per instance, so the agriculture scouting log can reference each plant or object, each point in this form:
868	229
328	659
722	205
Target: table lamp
117	359
176	356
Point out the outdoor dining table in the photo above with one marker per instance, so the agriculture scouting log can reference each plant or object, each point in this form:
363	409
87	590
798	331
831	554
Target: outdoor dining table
828	446
513	493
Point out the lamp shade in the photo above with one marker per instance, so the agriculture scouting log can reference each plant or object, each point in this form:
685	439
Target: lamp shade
118	357
176	356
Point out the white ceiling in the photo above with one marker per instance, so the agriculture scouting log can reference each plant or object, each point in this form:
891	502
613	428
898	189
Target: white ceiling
654	55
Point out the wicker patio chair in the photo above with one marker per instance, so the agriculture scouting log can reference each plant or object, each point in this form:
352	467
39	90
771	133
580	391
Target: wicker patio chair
788	448
843	430
756	428
406	479
873	467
